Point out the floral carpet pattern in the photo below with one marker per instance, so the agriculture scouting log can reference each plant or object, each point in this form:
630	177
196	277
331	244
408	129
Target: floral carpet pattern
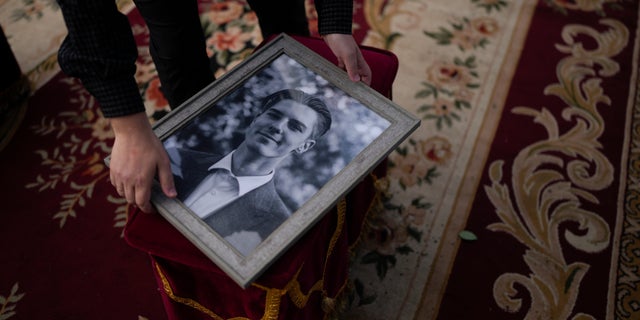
515	199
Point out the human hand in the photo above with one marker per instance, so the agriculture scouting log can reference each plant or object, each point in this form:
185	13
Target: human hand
137	155
349	56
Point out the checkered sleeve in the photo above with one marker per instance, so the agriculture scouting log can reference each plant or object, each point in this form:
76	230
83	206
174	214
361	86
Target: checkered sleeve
334	16
100	50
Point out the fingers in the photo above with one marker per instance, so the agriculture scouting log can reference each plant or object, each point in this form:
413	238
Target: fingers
118	187
137	191
345	48
365	70
352	69
166	178
142	196
130	194
357	68
135	157
135	186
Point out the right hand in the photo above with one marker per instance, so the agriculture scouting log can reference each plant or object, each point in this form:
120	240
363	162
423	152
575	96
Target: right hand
137	155
349	55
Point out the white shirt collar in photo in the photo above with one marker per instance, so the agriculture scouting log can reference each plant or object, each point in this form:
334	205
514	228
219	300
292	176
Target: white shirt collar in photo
245	183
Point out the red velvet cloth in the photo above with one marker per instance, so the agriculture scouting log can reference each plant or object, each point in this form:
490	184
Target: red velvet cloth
294	287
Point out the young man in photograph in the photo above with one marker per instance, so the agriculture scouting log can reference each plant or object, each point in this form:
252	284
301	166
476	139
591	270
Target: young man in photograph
235	193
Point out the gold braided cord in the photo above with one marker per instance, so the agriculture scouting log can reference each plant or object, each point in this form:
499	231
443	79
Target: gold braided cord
186	301
272	305
295	293
342	213
375	202
293	287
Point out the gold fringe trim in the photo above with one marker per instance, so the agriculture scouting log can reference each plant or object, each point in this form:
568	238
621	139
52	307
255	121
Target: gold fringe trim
186	301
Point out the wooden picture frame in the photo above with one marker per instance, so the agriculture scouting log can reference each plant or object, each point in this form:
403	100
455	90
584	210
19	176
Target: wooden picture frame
365	128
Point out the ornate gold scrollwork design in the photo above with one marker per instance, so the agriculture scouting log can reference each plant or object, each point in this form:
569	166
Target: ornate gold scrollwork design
551	179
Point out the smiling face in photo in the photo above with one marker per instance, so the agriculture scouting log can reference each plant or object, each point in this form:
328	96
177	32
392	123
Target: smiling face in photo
285	127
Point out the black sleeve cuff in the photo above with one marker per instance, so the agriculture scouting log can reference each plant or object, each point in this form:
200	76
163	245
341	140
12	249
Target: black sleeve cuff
334	16
117	97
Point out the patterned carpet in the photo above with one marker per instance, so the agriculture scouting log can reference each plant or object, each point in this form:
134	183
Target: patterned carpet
517	198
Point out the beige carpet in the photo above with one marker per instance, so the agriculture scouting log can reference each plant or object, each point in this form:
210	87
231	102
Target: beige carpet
457	79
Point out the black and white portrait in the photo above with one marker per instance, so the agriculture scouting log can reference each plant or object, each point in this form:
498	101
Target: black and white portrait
258	154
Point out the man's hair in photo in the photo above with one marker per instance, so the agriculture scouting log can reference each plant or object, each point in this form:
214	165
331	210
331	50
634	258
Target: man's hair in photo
313	102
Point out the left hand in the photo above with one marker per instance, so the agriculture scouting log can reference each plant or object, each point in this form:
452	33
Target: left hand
349	56
136	157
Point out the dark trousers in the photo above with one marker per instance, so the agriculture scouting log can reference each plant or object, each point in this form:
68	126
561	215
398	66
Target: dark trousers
277	16
177	43
177	46
11	72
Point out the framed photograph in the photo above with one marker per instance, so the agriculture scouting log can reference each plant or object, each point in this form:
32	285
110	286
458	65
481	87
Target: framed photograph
261	154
